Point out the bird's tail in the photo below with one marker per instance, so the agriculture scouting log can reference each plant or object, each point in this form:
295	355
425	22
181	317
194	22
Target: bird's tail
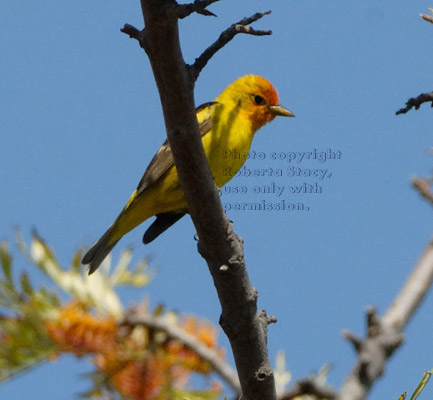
97	253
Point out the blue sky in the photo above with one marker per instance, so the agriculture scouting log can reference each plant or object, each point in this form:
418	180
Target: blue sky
80	120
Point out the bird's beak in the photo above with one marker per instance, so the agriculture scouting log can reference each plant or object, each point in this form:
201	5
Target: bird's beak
281	111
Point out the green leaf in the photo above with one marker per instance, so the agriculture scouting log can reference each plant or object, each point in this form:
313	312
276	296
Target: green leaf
76	261
9	298
25	284
6	261
195	394
420	387
158	310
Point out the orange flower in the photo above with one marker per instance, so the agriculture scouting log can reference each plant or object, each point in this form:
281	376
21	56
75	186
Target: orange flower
140	379
185	358
77	331
139	367
204	331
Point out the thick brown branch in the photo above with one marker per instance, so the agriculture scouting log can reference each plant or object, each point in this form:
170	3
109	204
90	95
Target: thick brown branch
384	335
189	341
218	244
239	27
416	102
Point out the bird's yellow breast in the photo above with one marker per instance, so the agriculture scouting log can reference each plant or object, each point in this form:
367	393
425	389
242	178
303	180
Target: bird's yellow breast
225	146
227	143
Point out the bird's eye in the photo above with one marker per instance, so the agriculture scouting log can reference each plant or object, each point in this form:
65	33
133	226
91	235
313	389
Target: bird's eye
259	100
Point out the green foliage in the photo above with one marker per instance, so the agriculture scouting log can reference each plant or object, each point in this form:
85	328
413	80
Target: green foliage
97	291
196	395
419	388
38	325
24	341
24	310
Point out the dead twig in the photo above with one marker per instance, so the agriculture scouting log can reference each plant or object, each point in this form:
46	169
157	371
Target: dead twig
243	26
423	186
416	102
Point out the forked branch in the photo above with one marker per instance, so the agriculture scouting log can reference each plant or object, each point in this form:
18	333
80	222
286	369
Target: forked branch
243	26
385	334
218	244
199	7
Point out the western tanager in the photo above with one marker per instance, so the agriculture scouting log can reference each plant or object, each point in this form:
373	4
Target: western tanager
227	124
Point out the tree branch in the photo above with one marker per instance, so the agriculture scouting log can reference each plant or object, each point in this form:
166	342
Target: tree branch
218	244
426	17
191	342
199	7
239	27
423	186
384	335
412	294
416	102
310	386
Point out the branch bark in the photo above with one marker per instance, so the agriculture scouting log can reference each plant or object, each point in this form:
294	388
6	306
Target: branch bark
218	244
416	102
309	387
199	7
423	186
426	17
239	27
385	335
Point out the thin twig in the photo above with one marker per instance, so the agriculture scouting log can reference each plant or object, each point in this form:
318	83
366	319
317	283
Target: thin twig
199	7
416	102
134	33
426	17
190	342
353	339
309	386
239	27
424	188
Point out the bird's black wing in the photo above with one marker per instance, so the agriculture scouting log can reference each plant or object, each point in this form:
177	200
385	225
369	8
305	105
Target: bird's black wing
160	163
163	159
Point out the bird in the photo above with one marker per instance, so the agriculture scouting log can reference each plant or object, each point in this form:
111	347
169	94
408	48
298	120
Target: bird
226	124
